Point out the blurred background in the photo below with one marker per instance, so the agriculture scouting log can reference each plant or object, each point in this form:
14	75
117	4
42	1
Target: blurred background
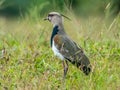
16	8
89	17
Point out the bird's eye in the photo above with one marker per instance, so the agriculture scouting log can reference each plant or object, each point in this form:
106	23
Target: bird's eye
50	15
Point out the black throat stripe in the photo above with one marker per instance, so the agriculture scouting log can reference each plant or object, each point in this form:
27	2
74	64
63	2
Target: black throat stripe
54	32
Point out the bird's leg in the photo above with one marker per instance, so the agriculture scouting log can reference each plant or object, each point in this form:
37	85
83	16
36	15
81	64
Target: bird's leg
65	66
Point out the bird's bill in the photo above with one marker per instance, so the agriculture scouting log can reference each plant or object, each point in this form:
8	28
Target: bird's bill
46	18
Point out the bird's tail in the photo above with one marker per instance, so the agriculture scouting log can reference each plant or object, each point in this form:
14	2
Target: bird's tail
81	61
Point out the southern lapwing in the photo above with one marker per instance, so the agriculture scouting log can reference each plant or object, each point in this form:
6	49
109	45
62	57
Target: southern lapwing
65	48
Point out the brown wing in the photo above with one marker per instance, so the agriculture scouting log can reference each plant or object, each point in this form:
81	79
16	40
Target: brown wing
72	52
68	48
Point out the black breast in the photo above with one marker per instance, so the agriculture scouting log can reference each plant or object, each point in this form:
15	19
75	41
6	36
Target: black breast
54	32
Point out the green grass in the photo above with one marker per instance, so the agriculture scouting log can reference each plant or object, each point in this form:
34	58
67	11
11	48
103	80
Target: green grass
28	61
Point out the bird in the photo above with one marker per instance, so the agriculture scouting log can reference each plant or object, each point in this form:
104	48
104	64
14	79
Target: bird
64	47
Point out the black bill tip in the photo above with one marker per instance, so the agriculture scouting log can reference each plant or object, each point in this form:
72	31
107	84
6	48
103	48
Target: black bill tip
45	18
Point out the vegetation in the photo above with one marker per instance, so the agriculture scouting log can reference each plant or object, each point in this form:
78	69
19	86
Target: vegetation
79	7
27	61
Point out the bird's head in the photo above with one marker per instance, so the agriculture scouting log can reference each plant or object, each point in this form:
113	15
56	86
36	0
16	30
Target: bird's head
55	18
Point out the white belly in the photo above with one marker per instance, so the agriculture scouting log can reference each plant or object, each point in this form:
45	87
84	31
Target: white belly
56	51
